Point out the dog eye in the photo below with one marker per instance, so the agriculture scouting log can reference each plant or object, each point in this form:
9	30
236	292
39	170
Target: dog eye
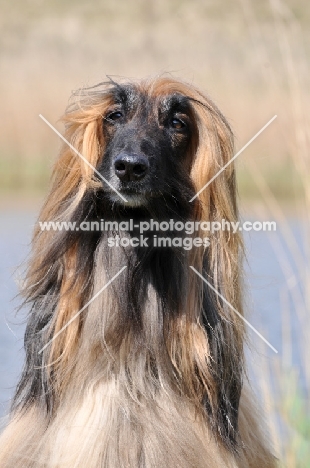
113	116
177	124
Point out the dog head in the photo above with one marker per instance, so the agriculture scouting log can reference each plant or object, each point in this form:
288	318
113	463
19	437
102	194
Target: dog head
151	140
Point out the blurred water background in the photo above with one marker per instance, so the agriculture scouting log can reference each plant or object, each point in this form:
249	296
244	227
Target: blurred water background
252	58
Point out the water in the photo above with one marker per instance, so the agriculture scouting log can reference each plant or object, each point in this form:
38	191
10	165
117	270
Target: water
15	235
267	272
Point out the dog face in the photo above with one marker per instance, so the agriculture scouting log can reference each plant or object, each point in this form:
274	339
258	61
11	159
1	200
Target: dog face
147	140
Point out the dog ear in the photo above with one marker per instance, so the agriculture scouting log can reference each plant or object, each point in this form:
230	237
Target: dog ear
60	266
221	267
225	363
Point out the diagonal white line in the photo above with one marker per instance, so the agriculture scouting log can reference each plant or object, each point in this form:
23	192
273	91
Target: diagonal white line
236	155
83	308
82	157
235	310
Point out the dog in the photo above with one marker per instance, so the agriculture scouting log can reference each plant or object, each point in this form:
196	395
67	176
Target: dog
132	359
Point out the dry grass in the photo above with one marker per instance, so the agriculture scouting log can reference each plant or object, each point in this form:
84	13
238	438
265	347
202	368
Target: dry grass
231	50
290	397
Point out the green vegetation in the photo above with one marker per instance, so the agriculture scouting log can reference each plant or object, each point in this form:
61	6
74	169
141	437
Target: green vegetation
30	176
284	182
295	411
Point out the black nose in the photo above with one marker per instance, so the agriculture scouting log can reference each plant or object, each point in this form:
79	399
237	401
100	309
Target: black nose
130	167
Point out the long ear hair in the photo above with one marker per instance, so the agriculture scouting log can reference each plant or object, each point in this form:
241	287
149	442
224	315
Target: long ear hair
206	345
221	267
59	276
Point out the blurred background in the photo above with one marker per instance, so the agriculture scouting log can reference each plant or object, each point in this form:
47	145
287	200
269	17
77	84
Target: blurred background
252	58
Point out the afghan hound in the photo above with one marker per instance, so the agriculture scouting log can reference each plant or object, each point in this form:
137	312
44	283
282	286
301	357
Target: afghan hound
132	359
